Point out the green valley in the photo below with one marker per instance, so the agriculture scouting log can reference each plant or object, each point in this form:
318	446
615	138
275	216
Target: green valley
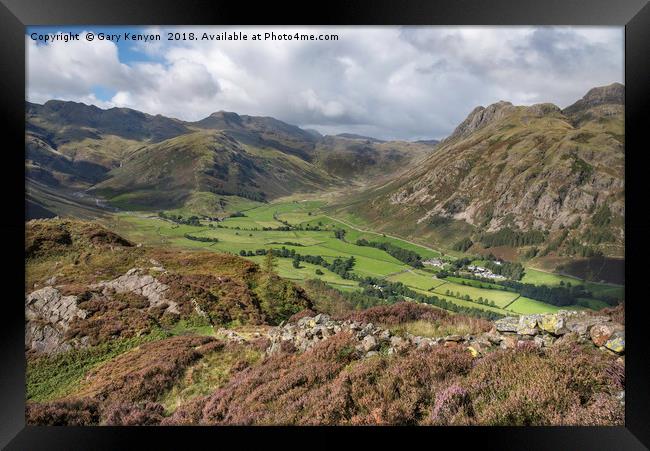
303	227
363	226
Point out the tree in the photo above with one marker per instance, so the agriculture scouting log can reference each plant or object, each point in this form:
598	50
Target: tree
319	272
269	262
463	244
296	262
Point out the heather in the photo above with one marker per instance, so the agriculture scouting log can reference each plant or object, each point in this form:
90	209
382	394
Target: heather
420	319
442	386
55	376
76	256
208	374
145	372
123	316
192	379
143	384
78	412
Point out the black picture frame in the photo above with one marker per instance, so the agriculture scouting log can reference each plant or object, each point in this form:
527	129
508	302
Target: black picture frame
16	14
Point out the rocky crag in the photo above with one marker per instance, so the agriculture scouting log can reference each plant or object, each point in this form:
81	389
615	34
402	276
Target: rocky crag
518	168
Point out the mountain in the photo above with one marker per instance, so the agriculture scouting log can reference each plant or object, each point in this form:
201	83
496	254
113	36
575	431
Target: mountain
366	159
315	133
430	142
168	173
361	137
79	156
62	121
261	131
613	94
516	176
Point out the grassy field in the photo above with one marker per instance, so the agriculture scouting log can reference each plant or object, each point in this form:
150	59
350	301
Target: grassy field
369	261
501	298
246	233
474	283
538	277
464	303
416	279
527	306
307	271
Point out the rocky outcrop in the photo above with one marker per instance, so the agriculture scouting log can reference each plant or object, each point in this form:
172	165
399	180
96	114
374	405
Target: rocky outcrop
541	330
610	94
137	281
48	315
480	117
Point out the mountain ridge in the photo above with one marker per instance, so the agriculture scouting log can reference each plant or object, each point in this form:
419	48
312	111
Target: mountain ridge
76	148
519	168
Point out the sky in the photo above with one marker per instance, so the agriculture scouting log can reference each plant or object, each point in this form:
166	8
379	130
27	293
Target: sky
387	82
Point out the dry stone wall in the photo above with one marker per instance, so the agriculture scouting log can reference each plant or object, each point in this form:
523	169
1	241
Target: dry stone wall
539	330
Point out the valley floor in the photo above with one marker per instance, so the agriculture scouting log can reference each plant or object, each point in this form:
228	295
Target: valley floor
302	226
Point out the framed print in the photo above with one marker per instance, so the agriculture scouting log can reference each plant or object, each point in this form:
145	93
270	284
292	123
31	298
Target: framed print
380	219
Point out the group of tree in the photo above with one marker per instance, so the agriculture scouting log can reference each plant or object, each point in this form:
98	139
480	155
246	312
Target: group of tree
397	291
285	227
514	238
341	266
598	235
288	243
560	296
574	247
205	239
511	270
409	257
245	253
463	244
179	219
333	301
467	297
256	196
461	262
282	221
563	295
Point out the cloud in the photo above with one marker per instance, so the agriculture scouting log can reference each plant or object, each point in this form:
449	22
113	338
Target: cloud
71	70
389	82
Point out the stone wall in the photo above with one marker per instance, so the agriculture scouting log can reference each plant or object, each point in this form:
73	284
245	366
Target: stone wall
539	330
